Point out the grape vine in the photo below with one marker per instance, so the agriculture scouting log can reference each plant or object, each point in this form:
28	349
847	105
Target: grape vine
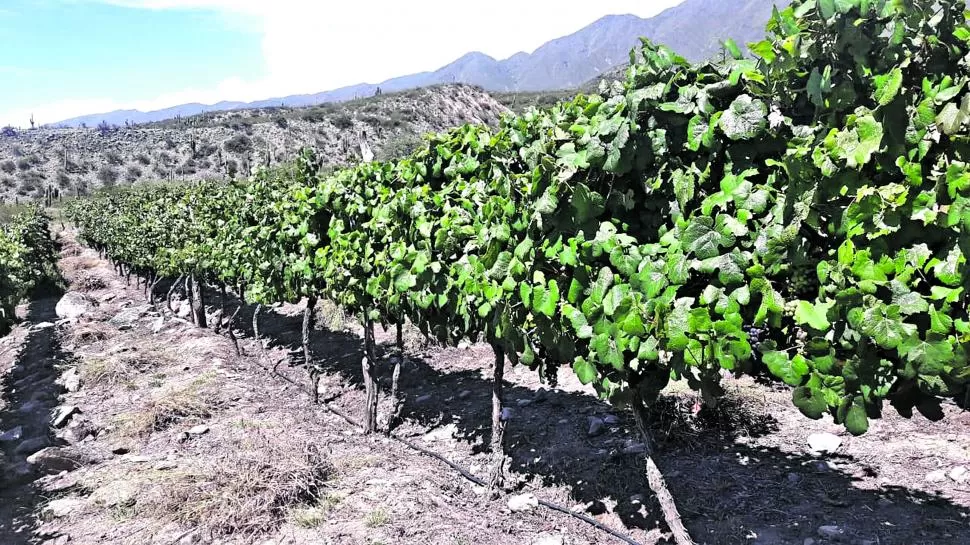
28	260
803	214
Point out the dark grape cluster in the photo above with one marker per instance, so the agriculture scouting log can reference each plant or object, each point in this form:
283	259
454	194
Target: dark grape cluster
756	335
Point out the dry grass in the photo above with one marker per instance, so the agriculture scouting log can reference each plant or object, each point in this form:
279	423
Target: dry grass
76	263
195	400
259	483
89	280
377	518
118	369
89	333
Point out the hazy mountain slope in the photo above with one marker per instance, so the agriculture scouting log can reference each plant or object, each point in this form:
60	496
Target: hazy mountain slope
694	28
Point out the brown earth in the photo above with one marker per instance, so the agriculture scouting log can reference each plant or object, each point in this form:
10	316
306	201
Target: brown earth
178	440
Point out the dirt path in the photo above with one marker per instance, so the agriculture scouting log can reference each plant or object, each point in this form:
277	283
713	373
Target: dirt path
181	441
30	358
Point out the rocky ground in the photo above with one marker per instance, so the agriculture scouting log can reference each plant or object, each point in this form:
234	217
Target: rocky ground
124	424
216	145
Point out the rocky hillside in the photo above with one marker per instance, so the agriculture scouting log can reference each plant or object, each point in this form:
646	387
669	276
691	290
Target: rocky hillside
227	143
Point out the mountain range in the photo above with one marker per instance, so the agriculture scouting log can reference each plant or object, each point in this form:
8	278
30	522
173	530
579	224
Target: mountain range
694	28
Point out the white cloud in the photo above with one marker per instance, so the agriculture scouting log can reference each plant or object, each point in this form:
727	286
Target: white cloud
311	46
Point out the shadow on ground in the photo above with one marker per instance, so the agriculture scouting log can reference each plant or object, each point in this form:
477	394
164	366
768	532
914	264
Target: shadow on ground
728	492
31	394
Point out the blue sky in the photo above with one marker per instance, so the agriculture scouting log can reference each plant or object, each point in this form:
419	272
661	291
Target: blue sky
62	58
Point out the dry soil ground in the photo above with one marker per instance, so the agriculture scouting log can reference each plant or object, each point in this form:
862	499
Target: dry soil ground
171	438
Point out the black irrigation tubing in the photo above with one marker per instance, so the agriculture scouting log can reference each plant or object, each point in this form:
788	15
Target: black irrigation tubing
462	471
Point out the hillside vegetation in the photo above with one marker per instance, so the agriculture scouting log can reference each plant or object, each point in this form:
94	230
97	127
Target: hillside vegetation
214	146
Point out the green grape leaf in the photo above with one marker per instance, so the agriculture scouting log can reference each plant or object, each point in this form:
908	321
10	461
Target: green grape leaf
814	315
745	119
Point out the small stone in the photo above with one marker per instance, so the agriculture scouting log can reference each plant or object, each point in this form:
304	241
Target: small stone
809	541
523	402
62	415
71	380
884	502
119	450
54	460
937	476
635	448
541	395
42	326
115	493
199	430
157	325
611	420
595	426
864	542
423	399
63	507
637	499
523	503
548	539
464	394
31	446
165	465
135	459
445	432
13	434
959	474
794	478
830	532
824	466
72	306
127	318
824	443
463	346
506	414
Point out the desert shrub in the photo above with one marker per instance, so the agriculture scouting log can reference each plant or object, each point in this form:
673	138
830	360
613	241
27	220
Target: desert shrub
8	131
207	150
23	164
108	175
143	159
169	143
342	121
281	122
113	158
63	180
314	115
239	144
399	146
8	166
74	168
29	184
133	173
